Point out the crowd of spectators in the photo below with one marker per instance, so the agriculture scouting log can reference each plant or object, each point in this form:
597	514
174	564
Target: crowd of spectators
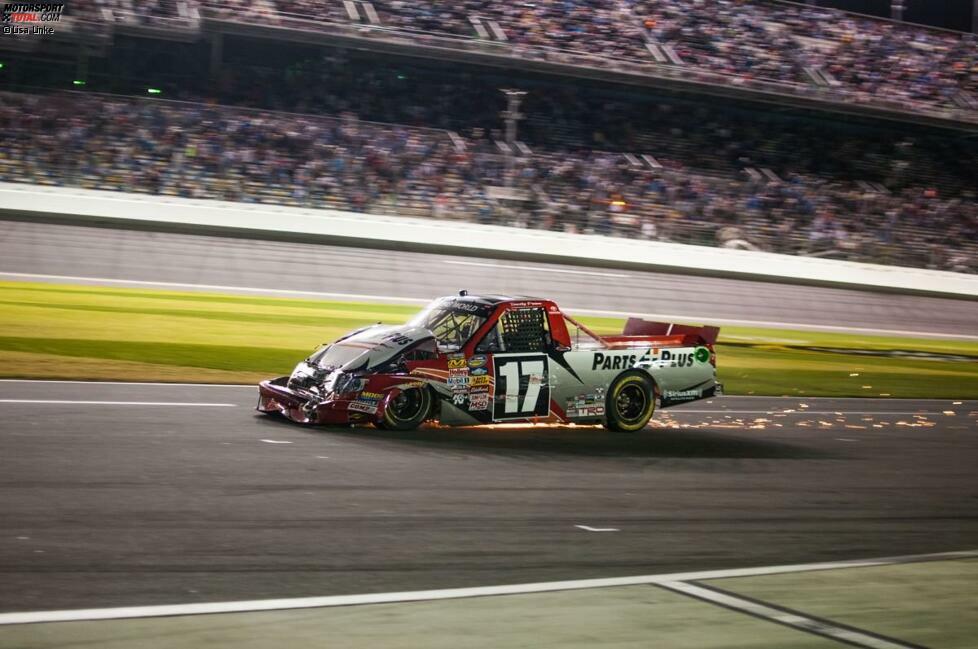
859	58
716	137
733	38
778	42
125	11
220	152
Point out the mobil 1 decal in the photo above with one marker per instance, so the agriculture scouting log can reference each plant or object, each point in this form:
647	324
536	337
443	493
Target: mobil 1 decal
522	386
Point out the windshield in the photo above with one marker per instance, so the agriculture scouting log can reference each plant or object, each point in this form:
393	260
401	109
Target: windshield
452	322
336	355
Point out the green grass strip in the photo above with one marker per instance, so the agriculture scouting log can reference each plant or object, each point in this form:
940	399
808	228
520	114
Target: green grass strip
134	333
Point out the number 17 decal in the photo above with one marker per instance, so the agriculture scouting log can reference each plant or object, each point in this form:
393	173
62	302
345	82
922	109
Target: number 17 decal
522	386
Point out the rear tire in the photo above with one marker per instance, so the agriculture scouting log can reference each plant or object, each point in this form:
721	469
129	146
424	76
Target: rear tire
630	403
406	410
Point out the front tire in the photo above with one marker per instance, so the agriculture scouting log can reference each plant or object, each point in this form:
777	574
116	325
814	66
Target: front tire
630	402
406	410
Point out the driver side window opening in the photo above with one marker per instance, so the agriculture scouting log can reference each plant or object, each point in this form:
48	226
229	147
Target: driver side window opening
453	328
518	331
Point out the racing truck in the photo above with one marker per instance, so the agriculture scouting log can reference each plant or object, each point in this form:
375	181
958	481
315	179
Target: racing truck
488	359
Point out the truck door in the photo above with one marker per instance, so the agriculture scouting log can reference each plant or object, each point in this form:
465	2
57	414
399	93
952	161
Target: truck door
520	365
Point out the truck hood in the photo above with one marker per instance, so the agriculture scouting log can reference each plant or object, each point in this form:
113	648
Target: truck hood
367	348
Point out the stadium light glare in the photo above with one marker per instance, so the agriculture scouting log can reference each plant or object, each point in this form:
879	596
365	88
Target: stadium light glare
78	82
154	91
1	66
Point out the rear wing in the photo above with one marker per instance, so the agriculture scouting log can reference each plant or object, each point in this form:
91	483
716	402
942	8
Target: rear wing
691	335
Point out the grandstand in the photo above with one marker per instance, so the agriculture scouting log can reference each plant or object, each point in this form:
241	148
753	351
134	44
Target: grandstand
784	47
303	103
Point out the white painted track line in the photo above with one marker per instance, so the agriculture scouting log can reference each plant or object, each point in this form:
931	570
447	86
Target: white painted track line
775	411
169	404
35	617
202	385
409	300
769	324
217	287
793	619
538	269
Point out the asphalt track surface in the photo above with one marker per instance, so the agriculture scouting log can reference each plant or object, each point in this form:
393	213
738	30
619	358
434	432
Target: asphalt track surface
28	250
151	498
138	503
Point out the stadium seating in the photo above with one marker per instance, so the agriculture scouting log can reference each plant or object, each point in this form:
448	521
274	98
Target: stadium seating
232	153
807	50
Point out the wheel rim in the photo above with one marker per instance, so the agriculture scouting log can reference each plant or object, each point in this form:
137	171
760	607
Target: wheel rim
631	403
406	405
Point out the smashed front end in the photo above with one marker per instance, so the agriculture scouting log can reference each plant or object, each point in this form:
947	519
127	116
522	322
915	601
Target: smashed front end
331	386
312	396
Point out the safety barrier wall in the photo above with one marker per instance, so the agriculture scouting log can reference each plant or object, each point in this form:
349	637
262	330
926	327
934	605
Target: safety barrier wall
116	209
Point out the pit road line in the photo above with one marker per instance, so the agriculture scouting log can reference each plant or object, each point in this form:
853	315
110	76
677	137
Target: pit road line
786	617
129	612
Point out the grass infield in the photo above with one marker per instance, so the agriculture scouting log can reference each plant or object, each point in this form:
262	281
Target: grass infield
88	332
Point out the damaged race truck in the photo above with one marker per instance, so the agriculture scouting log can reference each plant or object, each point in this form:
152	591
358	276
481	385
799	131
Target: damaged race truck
469	360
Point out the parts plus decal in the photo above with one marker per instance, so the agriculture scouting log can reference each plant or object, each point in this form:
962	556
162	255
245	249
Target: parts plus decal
622	360
702	354
677	359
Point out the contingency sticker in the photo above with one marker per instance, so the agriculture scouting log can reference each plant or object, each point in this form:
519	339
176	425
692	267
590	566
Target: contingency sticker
585	405
456	362
366	402
479	400
458	378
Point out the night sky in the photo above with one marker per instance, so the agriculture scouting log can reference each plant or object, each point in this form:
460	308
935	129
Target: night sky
950	14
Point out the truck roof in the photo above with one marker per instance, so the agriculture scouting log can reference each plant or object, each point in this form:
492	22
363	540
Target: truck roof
495	300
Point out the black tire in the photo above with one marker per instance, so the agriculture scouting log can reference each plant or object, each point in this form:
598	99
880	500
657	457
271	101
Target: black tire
630	402
406	410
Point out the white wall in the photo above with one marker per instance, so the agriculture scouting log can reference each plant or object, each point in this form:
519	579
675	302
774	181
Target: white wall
139	210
